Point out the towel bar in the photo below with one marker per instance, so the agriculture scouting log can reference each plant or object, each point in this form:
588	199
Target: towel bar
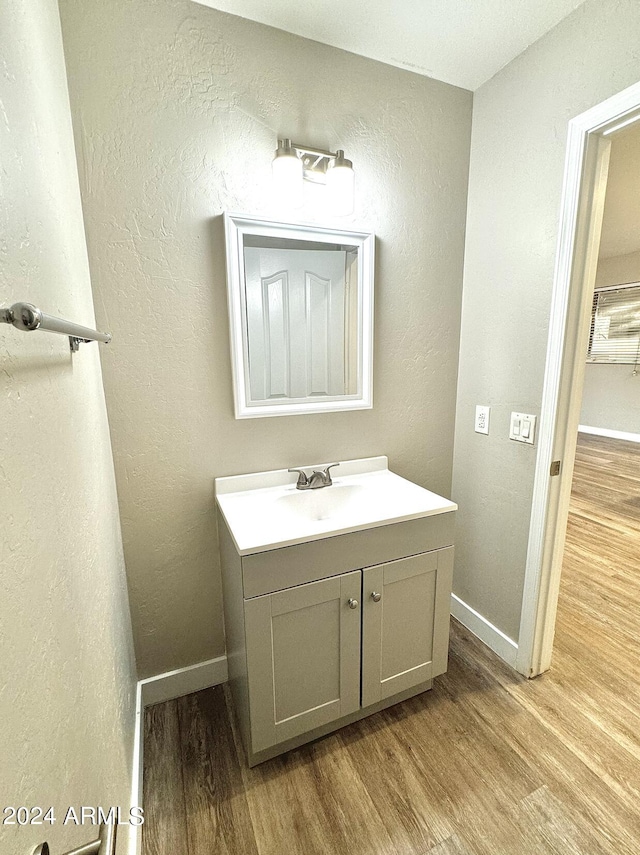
27	317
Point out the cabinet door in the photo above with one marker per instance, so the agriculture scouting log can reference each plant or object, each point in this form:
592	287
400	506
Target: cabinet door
405	629
303	657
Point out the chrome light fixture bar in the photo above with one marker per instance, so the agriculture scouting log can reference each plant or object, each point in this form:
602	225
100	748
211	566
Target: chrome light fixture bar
315	162
294	163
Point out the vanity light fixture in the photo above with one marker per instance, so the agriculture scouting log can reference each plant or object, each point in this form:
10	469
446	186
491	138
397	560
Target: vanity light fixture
294	163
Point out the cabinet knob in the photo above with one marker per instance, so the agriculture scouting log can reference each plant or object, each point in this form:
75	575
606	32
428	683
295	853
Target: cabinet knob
376	596
353	604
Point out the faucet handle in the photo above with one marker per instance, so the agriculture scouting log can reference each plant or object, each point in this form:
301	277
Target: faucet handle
327	474
303	479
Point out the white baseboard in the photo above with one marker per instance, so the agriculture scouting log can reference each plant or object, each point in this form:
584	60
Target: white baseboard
135	832
183	681
612	434
503	646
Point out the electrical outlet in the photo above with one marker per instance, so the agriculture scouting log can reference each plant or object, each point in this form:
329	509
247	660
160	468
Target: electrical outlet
482	419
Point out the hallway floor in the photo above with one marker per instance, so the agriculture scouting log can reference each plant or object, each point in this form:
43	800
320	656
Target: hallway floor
487	763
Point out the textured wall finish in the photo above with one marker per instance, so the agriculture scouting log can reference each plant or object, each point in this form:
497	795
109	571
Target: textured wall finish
621	223
518	147
176	110
611	395
66	655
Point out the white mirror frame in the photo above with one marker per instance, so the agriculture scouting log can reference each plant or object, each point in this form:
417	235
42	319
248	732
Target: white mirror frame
236	227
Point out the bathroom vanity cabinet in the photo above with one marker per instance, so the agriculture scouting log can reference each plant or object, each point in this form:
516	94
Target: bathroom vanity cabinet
320	634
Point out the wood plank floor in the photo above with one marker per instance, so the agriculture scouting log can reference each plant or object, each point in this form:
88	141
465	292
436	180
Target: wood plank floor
487	763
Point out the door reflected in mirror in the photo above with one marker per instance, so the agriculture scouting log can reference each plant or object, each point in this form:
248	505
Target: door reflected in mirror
301	306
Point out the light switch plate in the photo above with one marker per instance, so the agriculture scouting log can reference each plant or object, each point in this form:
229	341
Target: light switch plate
482	419
522	427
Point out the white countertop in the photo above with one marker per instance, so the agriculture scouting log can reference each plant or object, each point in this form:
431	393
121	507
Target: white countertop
265	511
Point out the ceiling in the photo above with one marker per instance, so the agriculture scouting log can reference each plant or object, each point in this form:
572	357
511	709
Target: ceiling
463	42
621	223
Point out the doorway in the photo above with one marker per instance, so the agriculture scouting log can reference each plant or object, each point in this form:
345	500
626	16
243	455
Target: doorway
599	584
586	170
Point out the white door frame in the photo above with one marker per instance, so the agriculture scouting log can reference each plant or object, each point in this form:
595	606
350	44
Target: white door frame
585	178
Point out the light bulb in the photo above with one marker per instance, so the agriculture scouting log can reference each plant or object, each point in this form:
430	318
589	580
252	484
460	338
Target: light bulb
287	175
341	186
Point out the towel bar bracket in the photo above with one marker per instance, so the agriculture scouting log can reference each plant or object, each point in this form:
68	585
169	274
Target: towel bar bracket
75	342
104	845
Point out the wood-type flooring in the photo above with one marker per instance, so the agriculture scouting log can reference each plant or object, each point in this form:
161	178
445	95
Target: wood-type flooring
487	763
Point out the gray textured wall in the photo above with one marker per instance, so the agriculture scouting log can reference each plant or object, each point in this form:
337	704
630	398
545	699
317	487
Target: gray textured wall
176	111
67	677
519	135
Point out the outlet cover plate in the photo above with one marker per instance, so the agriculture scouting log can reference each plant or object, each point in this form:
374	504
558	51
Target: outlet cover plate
482	419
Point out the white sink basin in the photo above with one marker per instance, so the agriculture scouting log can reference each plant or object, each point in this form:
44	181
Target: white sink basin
266	511
322	504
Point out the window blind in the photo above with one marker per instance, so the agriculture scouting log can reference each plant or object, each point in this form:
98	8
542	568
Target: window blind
615	325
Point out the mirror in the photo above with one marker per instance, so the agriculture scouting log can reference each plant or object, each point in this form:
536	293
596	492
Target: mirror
301	317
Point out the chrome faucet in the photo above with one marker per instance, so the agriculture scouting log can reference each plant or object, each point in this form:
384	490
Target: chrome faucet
317	479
